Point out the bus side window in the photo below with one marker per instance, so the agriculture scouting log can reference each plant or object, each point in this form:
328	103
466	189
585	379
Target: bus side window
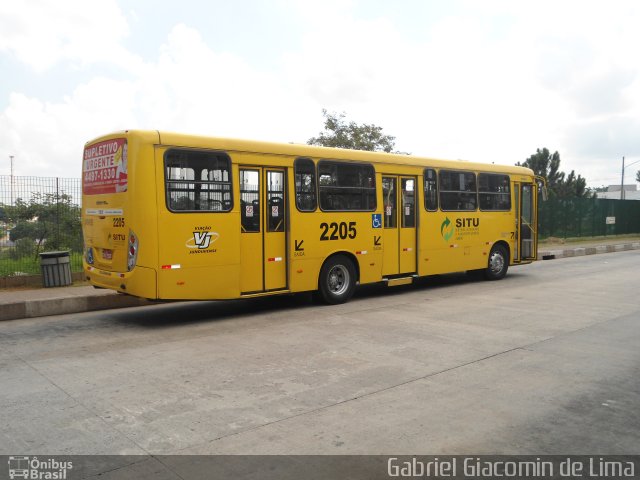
197	181
346	186
458	191
305	183
430	190
495	193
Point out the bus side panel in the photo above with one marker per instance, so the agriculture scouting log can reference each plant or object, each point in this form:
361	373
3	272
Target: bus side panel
459	241
315	236
198	252
452	241
199	283
319	235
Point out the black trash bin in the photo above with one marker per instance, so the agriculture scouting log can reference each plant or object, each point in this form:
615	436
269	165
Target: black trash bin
56	269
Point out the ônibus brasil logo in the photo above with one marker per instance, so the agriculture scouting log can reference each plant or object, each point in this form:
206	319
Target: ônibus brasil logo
446	229
34	468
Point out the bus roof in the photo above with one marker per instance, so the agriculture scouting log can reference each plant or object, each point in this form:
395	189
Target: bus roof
303	150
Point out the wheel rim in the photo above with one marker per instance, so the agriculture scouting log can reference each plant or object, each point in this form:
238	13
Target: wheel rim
496	263
338	280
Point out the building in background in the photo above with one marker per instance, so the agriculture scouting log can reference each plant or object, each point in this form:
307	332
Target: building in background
631	192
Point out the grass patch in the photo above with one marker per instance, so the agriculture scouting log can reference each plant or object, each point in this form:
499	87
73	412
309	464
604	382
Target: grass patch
30	265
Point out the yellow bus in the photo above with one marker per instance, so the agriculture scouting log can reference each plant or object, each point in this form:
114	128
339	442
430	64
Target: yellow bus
172	216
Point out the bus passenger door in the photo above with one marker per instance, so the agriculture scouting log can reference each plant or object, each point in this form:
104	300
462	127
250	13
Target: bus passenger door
527	223
262	236
399	202
390	258
408	225
275	248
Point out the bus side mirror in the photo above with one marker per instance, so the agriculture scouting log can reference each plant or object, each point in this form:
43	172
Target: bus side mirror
542	187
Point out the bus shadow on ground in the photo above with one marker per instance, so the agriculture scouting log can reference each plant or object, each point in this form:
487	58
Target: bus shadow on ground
170	314
176	314
428	283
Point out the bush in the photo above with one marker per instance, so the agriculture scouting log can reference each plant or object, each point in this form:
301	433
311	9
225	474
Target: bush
24	247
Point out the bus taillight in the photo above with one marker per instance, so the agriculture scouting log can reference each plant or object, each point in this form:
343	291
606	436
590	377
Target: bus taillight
132	252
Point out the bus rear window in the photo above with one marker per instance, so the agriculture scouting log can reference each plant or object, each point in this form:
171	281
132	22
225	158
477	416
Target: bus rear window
197	181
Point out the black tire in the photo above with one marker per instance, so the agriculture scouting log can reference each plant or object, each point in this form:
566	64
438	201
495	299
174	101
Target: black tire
337	280
498	263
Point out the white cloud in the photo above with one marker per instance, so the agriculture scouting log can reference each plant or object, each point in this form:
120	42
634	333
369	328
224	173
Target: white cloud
47	138
216	93
42	33
188	88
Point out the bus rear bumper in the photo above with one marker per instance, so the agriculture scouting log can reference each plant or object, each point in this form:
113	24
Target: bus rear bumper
141	282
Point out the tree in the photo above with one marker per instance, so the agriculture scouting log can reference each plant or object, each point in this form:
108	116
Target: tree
638	176
545	165
340	134
560	185
573	186
48	221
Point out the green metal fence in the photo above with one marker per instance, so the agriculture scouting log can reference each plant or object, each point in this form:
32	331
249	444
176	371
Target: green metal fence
588	217
38	214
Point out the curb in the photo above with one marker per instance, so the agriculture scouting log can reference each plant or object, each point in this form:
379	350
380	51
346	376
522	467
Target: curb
580	251
64	305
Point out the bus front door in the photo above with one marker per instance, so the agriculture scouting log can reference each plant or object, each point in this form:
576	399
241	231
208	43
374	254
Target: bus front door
263	223
527	223
399	203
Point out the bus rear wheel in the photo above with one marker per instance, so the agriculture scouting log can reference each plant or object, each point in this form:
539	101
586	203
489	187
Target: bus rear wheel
498	263
337	280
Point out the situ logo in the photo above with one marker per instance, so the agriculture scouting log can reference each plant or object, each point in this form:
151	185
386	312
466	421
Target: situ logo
467	222
466	226
446	229
34	468
201	240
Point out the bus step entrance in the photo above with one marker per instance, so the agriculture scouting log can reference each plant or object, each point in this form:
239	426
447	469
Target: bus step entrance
394	282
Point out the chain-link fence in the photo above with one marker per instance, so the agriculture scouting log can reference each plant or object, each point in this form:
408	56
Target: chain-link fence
38	214
588	217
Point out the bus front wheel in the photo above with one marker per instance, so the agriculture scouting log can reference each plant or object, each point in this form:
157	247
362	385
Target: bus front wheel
337	280
498	263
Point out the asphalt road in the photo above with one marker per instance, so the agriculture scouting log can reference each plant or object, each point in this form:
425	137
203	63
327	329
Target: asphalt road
546	361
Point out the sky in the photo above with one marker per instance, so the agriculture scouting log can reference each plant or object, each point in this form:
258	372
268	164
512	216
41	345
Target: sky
487	81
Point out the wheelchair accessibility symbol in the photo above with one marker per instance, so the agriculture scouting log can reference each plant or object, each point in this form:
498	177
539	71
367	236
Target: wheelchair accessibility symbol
376	220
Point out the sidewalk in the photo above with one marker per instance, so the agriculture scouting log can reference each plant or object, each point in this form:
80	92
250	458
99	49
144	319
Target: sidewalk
549	251
38	302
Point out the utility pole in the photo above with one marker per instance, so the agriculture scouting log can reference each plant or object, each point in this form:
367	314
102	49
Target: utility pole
622	181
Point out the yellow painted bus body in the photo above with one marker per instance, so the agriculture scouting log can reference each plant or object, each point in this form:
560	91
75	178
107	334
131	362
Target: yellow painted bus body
136	243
